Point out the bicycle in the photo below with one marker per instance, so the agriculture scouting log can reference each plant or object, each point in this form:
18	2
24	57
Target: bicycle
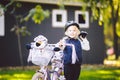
53	71
47	75
41	54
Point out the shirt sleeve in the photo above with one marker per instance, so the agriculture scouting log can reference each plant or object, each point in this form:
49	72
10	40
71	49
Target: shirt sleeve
85	44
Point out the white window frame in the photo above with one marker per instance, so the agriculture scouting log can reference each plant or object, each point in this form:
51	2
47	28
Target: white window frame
2	25
63	21
86	13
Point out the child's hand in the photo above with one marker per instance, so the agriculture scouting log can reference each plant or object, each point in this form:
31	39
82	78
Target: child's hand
61	44
82	39
83	34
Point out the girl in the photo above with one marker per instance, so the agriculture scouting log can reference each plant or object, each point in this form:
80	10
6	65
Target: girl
72	46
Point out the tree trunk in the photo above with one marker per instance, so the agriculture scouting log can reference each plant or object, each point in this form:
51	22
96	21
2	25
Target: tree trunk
114	21
115	42
20	51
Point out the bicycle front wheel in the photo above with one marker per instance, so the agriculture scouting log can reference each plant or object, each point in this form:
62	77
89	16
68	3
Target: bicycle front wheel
38	76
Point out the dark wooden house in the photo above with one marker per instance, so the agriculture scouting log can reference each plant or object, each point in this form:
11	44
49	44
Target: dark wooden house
52	28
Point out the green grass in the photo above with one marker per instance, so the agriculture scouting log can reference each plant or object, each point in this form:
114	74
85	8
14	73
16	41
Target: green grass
99	72
16	73
88	72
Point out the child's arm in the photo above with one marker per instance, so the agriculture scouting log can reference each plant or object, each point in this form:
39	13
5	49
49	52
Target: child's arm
85	44
61	44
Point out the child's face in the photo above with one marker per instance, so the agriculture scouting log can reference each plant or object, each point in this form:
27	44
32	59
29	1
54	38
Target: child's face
72	32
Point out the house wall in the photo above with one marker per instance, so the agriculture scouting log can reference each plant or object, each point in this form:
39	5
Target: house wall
9	45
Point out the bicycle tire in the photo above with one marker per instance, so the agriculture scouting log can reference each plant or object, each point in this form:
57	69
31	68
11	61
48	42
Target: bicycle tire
37	76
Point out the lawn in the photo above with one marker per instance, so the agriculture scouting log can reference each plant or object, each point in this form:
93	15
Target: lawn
89	72
100	72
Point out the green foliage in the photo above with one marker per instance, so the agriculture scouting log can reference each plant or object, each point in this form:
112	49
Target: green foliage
17	29
16	6
101	10
105	11
108	36
60	4
4	7
37	14
20	30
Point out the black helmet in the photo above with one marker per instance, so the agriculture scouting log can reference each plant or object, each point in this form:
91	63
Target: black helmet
69	23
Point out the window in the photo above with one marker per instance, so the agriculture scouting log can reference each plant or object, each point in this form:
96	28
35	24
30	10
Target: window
59	18
82	18
2	32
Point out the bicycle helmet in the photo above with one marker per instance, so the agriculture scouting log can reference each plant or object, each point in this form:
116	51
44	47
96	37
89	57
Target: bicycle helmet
69	23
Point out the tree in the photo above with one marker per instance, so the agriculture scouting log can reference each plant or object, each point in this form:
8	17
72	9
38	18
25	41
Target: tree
37	14
107	12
